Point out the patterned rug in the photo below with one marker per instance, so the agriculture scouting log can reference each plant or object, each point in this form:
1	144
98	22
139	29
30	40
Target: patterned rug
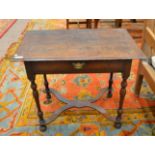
5	25
18	111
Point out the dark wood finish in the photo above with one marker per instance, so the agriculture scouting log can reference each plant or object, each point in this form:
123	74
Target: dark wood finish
89	23
109	95
79	45
31	77
48	95
78	104
42	67
133	20
96	22
118	22
125	76
78	51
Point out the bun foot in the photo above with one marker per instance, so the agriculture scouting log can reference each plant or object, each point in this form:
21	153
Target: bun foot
43	128
117	125
48	101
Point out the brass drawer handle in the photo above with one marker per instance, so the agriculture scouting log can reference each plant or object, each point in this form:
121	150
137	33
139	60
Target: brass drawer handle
78	65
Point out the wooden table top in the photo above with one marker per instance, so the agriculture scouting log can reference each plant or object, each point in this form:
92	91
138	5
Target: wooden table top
65	45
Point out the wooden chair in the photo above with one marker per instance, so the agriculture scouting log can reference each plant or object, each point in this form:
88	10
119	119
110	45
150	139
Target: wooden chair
145	68
87	22
118	22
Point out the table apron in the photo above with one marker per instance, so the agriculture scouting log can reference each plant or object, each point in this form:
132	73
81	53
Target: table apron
67	67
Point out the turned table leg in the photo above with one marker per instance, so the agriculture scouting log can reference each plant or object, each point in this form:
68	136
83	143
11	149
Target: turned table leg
118	123
36	97
109	95
48	95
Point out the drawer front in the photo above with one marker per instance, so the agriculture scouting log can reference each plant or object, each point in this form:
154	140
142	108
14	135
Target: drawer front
76	67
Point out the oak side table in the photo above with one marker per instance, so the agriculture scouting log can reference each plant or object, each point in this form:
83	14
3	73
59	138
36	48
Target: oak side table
78	51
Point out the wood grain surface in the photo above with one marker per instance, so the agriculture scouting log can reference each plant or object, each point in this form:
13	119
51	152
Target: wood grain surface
100	44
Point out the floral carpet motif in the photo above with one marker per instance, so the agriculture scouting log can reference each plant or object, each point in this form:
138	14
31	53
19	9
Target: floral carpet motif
18	111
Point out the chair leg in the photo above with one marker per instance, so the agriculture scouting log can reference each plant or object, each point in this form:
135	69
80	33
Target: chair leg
96	21
67	23
138	85
118	23
89	23
133	20
139	79
109	95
